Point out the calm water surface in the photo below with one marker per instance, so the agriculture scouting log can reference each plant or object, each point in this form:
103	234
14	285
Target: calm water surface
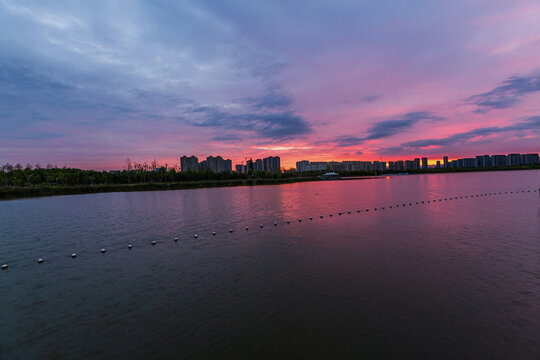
453	278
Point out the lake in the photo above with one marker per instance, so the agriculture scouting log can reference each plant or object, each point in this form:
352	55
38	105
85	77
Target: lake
455	277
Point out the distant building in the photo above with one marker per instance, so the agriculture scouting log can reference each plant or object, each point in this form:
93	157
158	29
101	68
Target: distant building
499	160
424	163
190	163
301	166
409	165
416	165
469	162
438	165
445	161
530	159
513	159
330	176
272	164
317	166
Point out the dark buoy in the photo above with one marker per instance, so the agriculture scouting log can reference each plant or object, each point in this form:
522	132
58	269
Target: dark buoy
348	212
175	239
299	220
214	233
275	223
321	216
310	218
40	261
103	251
288	222
195	236
154	242
261	226
382	208
130	246
74	255
375	209
247	228
339	214
4	266
390	206
367	209
230	230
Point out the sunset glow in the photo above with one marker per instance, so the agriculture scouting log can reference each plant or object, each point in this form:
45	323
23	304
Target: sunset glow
88	84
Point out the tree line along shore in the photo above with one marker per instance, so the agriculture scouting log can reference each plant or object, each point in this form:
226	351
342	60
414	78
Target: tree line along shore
18	182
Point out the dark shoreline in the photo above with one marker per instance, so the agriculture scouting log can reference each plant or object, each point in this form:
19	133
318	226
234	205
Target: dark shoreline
15	192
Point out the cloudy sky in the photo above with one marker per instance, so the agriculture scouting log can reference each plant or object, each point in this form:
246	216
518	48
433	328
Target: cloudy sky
90	83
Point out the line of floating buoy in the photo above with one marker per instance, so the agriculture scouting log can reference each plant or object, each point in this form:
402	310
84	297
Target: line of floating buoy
130	246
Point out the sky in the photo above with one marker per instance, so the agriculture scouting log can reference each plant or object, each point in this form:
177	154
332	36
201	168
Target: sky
90	83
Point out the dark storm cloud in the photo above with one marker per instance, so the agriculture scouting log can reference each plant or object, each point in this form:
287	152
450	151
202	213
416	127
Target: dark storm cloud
531	123
348	141
227	138
507	94
388	128
270	100
276	125
391	127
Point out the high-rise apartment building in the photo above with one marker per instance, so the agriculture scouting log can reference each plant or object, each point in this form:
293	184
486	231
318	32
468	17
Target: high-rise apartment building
424	163
190	163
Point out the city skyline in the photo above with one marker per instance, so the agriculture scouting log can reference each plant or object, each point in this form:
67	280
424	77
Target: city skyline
89	84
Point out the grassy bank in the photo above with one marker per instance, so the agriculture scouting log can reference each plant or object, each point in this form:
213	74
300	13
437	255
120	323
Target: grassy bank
15	192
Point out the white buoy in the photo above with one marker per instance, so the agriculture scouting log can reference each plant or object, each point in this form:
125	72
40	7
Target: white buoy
154	242
130	246
4	266
103	251
195	236
74	255
175	239
40	261
213	233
